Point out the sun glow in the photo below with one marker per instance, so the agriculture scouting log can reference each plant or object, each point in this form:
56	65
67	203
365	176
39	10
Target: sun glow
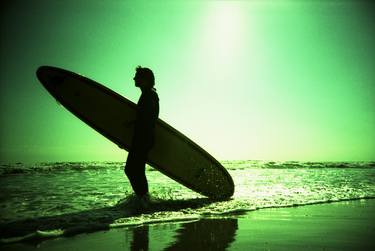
221	34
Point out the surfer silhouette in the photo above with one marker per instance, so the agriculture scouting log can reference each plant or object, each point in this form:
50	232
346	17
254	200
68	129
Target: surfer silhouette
143	137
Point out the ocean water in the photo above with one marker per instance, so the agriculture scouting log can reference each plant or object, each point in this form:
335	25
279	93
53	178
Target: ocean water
62	199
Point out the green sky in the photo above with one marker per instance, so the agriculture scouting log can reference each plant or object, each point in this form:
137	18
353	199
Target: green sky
282	80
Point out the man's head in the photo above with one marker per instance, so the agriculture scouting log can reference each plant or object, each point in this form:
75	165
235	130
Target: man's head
144	77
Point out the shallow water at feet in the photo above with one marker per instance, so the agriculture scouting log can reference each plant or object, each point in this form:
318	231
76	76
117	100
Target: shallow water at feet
67	195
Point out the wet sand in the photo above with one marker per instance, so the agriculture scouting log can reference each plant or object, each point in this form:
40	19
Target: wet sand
334	226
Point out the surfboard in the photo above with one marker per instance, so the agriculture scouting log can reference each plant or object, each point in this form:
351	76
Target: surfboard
109	113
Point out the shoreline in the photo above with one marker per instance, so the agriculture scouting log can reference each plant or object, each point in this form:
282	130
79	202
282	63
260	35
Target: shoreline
347	225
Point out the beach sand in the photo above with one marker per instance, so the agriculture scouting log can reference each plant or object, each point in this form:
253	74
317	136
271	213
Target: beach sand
348	225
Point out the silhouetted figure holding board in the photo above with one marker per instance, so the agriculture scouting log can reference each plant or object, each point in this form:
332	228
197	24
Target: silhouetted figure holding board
144	129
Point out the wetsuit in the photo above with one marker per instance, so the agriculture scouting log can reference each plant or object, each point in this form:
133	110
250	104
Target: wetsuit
143	140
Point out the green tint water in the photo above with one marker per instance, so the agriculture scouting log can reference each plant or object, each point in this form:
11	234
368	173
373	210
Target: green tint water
66	199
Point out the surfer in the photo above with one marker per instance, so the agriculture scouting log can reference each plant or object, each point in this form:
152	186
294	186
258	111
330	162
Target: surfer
143	137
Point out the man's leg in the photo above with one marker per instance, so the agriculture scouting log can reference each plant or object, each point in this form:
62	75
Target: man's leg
135	171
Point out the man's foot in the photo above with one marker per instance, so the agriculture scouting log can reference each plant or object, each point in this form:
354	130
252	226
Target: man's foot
144	200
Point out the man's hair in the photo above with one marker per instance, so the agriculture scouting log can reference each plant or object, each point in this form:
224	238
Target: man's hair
146	74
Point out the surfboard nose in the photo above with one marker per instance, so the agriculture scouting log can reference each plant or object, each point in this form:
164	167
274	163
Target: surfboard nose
42	74
49	77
